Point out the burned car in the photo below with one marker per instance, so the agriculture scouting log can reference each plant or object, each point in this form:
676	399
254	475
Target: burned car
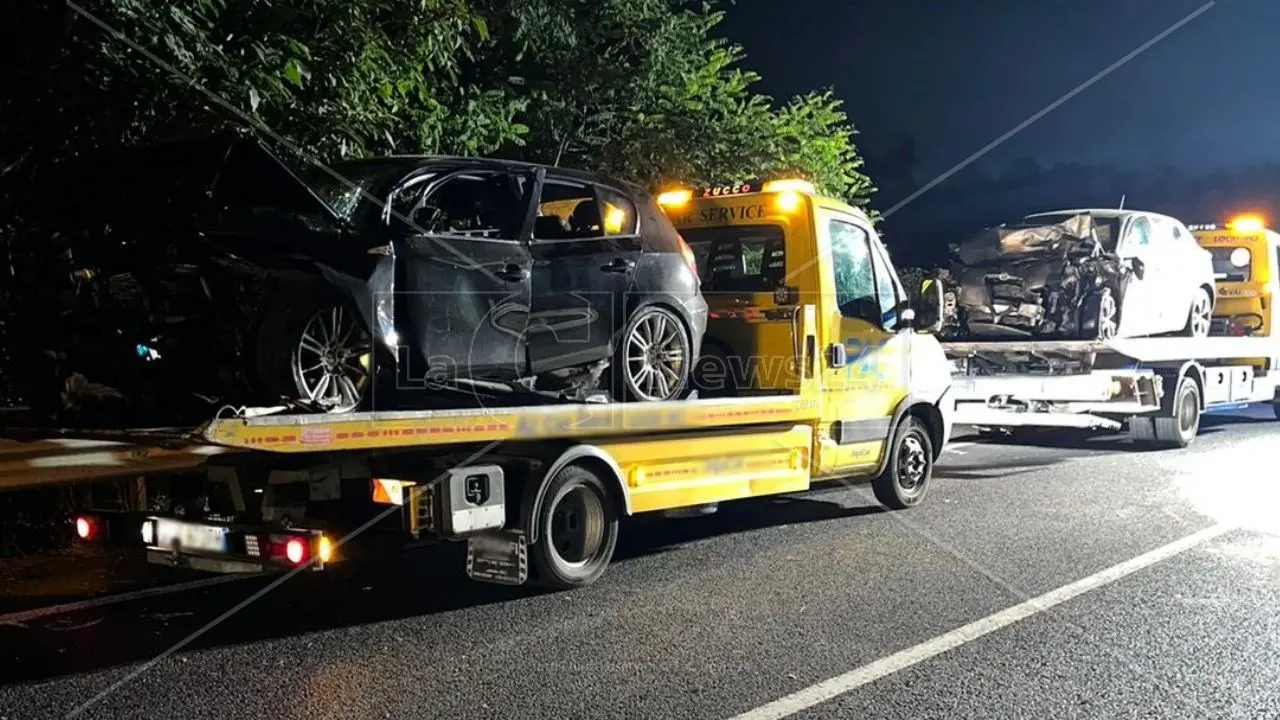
1080	274
208	271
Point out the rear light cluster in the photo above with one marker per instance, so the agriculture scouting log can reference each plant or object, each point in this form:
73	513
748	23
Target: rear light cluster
297	550
88	528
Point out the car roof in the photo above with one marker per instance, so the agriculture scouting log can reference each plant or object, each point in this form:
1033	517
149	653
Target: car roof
1104	213
459	162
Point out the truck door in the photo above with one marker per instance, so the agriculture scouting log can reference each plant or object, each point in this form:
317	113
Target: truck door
865	363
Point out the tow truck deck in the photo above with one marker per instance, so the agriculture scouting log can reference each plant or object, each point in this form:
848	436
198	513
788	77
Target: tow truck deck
1141	382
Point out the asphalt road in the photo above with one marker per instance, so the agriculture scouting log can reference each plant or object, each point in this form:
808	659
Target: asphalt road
1034	582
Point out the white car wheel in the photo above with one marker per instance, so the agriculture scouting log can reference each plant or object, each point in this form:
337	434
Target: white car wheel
1201	316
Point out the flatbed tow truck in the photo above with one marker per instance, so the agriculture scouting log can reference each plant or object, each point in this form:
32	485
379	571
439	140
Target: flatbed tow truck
1157	387
537	491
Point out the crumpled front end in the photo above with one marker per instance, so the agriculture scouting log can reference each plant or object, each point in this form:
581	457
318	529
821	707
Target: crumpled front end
1029	281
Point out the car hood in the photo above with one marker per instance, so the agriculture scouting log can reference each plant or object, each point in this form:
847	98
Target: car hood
210	180
1027	280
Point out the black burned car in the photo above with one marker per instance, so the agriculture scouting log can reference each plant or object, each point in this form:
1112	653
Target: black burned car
1080	274
208	272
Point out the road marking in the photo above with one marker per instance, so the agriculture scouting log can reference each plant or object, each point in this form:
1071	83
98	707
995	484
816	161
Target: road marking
37	613
854	679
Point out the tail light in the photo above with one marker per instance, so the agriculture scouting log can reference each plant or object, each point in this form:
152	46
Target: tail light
86	527
298	550
295	551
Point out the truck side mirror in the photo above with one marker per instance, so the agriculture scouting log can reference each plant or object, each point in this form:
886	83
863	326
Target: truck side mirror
928	306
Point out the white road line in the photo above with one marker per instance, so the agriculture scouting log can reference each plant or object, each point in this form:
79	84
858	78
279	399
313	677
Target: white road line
37	613
955	447
828	689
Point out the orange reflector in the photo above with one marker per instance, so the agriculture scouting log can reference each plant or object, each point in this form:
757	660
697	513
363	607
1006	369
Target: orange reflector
389	492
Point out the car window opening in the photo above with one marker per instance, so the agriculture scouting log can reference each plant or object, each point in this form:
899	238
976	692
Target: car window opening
739	259
1227	265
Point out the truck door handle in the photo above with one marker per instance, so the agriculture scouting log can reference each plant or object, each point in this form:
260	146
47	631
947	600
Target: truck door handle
619	265
513	273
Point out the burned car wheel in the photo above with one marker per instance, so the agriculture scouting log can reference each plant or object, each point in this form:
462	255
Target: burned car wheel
1100	316
316	350
1201	316
654	361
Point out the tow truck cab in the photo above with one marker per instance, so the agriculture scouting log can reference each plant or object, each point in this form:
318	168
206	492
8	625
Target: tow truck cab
1247	272
764	249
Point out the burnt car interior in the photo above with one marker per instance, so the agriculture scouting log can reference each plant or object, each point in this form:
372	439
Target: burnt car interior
1049	277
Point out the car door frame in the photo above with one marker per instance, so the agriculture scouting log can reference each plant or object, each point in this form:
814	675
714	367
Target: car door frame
496	262
1177	273
1144	300
609	260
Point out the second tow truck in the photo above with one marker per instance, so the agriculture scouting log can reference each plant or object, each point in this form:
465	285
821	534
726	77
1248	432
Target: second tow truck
1156	387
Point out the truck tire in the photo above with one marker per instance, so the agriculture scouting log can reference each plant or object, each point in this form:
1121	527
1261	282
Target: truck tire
905	479
1178	428
577	530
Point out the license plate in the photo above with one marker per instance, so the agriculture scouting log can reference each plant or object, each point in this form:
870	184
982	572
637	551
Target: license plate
177	535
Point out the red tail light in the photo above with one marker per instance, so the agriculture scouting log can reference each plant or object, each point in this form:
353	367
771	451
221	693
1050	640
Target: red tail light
86	528
295	551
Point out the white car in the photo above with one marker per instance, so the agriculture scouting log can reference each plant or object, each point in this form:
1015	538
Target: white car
1171	288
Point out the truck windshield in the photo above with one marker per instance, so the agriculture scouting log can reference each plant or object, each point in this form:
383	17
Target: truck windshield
1230	264
749	258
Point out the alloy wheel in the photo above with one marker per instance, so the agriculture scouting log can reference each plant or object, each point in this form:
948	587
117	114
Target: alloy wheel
1201	315
656	357
331	360
1108	322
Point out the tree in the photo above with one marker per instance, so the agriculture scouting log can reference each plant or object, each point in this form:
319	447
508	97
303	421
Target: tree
637	88
334	77
642	88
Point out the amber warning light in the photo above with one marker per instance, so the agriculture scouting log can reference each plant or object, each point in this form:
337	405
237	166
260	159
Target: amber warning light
1247	223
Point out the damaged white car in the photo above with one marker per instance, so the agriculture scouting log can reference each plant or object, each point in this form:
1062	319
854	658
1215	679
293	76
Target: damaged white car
1080	274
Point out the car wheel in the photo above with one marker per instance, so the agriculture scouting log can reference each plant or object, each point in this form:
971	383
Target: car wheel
1100	316
654	362
317	350
1200	319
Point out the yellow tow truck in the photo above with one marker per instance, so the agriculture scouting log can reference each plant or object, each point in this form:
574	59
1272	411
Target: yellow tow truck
1247	271
855	387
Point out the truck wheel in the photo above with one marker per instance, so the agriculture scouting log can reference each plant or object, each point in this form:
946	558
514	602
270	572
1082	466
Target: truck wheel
1179	428
577	530
906	475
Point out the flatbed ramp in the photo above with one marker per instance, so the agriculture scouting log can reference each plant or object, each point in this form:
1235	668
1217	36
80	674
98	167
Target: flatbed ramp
406	429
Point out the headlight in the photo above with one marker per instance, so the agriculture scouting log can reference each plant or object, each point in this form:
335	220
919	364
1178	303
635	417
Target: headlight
1240	257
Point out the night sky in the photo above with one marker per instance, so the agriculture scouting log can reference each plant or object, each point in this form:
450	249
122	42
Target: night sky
957	74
